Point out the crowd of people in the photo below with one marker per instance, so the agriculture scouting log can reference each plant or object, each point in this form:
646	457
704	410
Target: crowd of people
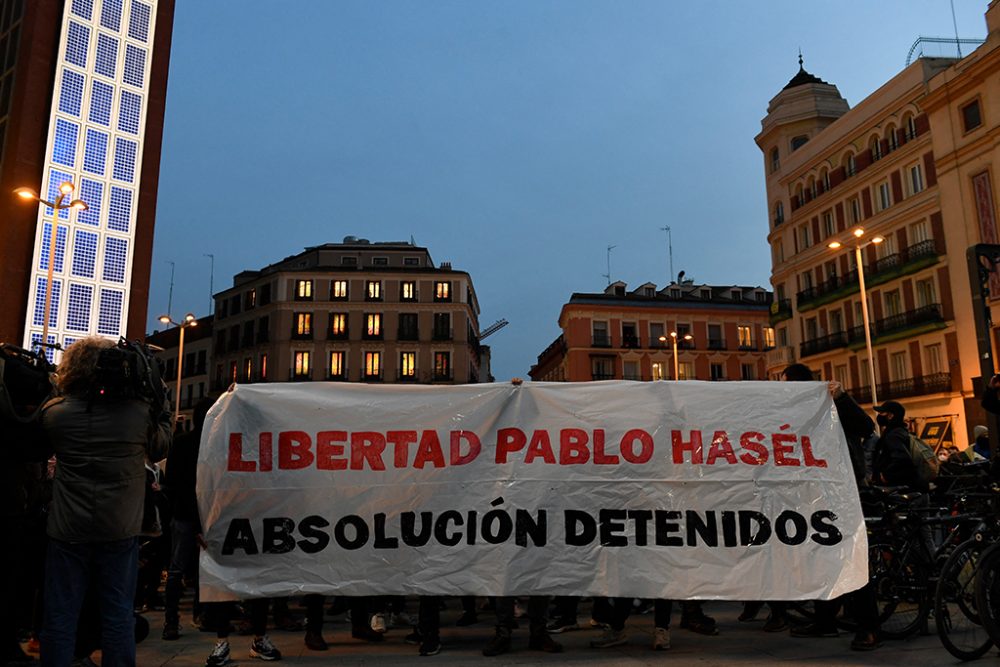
86	500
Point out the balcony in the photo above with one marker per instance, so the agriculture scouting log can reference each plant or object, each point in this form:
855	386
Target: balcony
630	341
408	333
823	344
601	340
372	334
716	344
747	347
343	334
916	386
405	377
780	357
442	334
899	326
831	289
781	310
602	376
301	336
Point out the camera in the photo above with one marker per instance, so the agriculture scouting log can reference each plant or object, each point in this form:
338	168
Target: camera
129	370
25	384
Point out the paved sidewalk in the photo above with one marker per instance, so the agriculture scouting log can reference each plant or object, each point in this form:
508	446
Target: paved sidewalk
742	644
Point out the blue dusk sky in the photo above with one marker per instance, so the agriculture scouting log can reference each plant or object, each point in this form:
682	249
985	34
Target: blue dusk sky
515	139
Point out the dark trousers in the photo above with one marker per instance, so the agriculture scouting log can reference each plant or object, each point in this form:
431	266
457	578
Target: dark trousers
537	613
863	604
429	616
617	611
69	568
183	554
564	607
217	615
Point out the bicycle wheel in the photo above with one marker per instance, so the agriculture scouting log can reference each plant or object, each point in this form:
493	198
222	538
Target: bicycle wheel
958	624
900	582
988	590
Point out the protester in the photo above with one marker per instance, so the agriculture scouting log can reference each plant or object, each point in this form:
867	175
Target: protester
101	442
981	443
892	462
857	428
539	639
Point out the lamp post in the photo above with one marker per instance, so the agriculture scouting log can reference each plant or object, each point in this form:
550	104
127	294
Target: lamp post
673	336
189	321
858	233
65	190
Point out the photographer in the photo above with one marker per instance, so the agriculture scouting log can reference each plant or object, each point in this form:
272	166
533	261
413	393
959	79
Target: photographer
101	431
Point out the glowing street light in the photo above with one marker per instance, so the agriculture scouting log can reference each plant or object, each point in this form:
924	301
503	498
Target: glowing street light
189	321
673	336
65	190
858	234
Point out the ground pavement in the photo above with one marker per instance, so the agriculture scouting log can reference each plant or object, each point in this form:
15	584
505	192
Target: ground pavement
741	644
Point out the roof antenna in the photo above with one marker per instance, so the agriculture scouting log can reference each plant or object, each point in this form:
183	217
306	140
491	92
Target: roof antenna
958	44
608	274
800	59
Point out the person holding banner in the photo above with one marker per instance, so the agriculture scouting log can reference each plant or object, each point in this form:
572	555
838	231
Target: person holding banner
539	639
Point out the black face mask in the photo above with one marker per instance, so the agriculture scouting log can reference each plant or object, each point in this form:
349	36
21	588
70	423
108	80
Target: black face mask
883	420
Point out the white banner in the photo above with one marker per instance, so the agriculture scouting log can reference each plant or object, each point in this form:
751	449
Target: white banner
676	490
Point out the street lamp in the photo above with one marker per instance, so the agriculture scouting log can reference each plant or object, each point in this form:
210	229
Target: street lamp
65	190
674	335
189	321
858	233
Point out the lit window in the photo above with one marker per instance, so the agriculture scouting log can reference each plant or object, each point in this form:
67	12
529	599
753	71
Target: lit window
101	96
303	324
115	259
338	324
373	290
129	112
135	65
442	291
64	143
408	291
95	152
373	326
71	92
124	166
111	14
78	312
263	367
77	42
247	369
119	209
43	259
659	370
84	254
302	364
338	290
303	290
442	365
686	370
373	364
336	364
745	336
407	364
232	371
769	337
109	314
107	56
138	22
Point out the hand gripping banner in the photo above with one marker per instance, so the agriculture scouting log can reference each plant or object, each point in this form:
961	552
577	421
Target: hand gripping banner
676	490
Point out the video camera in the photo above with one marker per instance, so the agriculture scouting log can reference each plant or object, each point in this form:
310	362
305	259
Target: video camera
129	370
25	384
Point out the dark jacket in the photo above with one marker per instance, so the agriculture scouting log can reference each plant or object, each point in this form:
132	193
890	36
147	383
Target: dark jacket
857	427
893	465
101	447
181	476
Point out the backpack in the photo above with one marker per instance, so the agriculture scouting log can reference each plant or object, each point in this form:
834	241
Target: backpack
924	459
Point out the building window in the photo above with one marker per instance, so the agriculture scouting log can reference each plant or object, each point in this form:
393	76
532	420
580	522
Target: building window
373	365
718	372
248	369
769	337
348	261
916	179
932	354
854	209
408	290
442	326
373	325
380	261
659	370
411	261
882	197
338	290
911	128
892	304
715	339
746	337
851	165
373	290
747	372
601	338
337	365
303	325
630	370
918	232
250	300
804	237
338	325
442	291
263	367
876	148
301	365
778	251
303	290
686	370
232	372
799	141
775	160
407	365
926	293
779	213
263	329
971	117
265	294
783	337
655	333
602	368
897	366
828	227
890	138
442	365
408	326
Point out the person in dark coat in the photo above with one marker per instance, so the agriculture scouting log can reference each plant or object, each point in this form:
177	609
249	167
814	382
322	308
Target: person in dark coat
892	464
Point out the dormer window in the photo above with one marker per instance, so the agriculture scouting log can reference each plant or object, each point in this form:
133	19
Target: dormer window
799	141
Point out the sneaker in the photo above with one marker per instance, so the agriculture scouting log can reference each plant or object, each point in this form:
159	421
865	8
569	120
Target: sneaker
500	643
378	623
367	634
814	630
561	625
171	632
609	638
543	642
315	642
594	623
775	623
865	641
414	638
219	655
401	620
661	639
467	619
262	649
430	646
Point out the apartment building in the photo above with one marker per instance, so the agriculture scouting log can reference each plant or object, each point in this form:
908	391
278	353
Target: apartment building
353	311
723	333
870	177
196	366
